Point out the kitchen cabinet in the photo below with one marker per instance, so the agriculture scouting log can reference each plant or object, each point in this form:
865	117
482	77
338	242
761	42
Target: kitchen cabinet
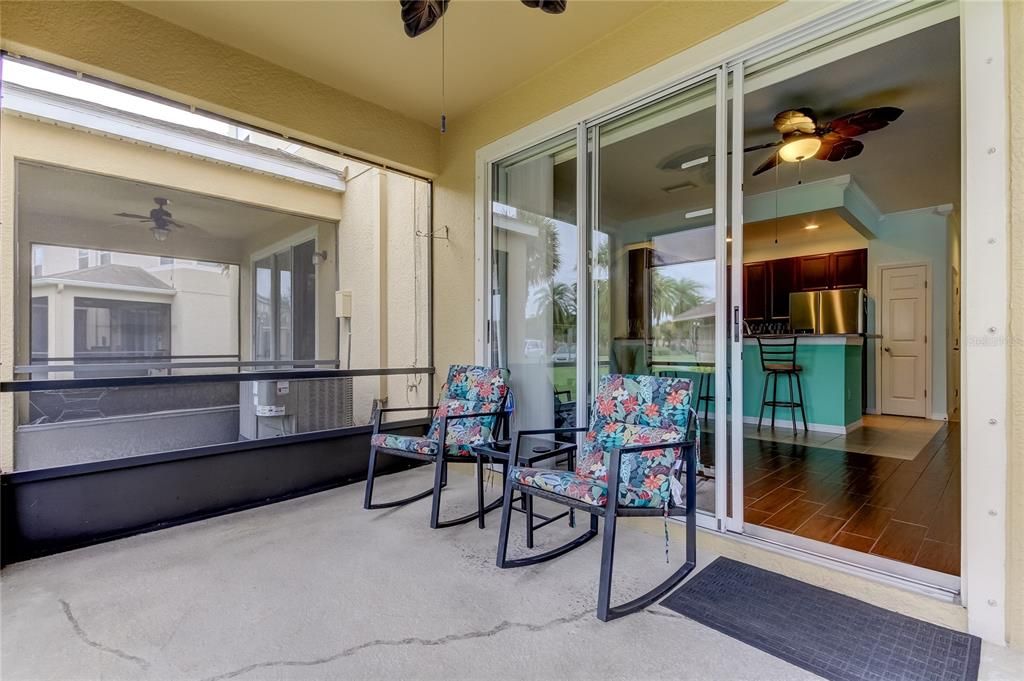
781	277
813	272
850	269
767	284
755	290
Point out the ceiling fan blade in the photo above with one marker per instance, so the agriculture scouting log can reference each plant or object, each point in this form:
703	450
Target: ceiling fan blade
772	161
796	120
131	215
419	16
861	122
767	145
839	150
186	225
549	6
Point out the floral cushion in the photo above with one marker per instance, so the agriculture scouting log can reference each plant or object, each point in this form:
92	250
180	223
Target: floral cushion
629	410
468	390
475	430
565	483
417	445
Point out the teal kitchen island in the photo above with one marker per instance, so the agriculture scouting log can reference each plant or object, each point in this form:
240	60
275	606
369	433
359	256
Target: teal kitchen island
831	375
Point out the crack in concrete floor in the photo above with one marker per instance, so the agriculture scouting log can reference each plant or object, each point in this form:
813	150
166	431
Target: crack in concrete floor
80	632
502	626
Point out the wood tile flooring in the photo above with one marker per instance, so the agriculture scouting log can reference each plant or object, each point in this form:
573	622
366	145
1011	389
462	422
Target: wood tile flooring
906	510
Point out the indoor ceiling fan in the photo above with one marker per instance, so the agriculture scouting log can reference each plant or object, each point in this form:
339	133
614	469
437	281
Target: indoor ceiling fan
419	16
162	222
804	138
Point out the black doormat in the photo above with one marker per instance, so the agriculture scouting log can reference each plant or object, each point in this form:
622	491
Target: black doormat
828	634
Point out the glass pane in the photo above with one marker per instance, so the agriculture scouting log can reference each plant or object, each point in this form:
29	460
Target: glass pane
283	265
304	316
654	241
533	301
263	340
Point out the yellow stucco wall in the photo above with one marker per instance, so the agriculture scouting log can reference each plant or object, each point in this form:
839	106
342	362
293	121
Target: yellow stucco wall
130	47
1015	479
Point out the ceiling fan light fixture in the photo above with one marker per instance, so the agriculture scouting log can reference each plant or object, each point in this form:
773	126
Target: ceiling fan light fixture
159	233
799	147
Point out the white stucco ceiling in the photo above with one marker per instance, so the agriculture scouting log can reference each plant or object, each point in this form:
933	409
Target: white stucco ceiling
360	46
90	202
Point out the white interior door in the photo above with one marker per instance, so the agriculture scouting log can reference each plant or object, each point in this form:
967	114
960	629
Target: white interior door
904	331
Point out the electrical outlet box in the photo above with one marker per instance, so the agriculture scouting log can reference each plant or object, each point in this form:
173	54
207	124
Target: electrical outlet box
343	304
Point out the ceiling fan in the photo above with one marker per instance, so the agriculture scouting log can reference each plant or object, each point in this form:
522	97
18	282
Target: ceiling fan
419	16
804	138
161	219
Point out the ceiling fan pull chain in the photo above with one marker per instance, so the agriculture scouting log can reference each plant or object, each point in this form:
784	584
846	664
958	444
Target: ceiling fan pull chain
444	120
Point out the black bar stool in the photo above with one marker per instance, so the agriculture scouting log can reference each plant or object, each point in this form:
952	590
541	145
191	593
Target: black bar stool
778	358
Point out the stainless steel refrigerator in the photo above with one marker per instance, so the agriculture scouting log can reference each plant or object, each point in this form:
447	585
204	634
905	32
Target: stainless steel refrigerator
824	312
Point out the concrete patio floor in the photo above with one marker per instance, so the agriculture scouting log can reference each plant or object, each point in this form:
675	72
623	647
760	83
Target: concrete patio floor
317	588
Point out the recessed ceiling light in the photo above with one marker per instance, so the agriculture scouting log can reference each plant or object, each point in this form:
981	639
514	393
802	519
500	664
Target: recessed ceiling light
811	226
698	213
695	162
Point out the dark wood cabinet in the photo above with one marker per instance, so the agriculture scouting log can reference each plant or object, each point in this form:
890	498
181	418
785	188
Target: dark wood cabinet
767	285
850	269
781	277
813	272
755	290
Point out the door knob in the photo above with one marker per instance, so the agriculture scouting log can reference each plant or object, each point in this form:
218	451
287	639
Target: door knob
886	349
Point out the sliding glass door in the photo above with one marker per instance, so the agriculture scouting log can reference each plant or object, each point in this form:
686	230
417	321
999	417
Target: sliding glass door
658	251
644	207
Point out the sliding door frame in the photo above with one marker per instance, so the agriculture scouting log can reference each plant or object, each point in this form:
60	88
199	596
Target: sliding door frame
984	163
588	199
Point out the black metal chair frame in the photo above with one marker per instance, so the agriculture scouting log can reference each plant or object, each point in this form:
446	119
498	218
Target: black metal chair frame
781	351
610	511
440	461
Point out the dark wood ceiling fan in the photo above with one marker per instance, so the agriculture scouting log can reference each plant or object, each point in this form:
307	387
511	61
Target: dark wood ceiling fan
804	138
419	16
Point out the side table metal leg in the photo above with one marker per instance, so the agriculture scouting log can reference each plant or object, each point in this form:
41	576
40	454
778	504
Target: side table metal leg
480	490
529	520
570	464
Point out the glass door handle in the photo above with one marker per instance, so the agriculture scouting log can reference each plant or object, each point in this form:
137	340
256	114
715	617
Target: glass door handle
736	323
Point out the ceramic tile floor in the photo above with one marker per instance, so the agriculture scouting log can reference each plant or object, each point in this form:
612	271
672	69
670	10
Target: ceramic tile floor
897	437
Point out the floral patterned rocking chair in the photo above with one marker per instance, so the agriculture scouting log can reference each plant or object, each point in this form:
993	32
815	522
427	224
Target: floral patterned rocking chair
469	412
637	444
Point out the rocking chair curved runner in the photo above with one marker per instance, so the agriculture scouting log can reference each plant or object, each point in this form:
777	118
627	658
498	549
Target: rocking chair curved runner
637	444
469	412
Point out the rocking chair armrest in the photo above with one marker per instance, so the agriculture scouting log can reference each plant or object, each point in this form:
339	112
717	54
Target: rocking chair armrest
377	424
390	409
454	417
687	448
548	431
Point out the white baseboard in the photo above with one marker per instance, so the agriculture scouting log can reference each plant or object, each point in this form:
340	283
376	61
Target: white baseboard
787	424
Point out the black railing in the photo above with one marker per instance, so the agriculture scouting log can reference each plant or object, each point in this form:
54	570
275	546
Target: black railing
231	372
